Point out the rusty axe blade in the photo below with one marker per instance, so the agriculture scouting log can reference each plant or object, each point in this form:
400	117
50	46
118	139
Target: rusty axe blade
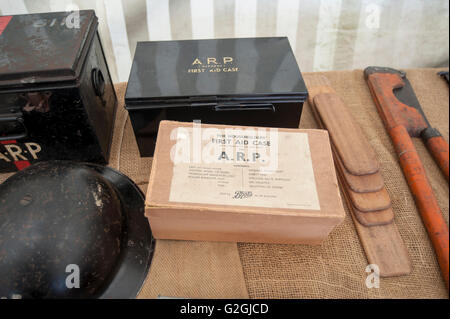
398	105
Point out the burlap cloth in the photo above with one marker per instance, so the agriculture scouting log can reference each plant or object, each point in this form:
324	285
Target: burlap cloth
336	269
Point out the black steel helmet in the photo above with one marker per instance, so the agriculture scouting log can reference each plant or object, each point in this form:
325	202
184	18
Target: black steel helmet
72	230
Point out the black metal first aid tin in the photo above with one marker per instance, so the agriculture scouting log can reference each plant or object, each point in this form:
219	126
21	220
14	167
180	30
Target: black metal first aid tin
57	100
252	81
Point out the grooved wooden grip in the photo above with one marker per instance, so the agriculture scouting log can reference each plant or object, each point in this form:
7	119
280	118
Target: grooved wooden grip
438	147
423	194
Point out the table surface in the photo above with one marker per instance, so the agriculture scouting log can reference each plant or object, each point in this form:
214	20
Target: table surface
335	269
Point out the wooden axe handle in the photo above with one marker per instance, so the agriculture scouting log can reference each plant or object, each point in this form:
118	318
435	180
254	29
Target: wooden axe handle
438	147
423	194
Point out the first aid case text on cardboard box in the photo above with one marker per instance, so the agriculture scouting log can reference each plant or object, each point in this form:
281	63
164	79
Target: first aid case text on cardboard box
233	200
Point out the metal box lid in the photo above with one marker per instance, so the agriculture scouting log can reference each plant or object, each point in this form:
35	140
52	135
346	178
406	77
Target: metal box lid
205	72
44	48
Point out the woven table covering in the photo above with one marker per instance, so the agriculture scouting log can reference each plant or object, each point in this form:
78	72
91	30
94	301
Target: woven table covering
335	269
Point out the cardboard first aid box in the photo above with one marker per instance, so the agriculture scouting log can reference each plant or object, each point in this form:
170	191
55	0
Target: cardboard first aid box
242	184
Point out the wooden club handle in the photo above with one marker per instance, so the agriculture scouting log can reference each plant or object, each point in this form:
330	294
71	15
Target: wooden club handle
423	194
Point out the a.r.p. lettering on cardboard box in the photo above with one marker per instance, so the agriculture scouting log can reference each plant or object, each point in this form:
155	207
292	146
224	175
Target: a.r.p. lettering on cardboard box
242	184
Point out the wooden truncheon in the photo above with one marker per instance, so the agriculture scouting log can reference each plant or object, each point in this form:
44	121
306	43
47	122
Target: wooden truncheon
361	182
375	218
374	212
354	150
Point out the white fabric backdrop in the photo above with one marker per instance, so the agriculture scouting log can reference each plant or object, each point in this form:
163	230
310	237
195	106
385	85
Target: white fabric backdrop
324	34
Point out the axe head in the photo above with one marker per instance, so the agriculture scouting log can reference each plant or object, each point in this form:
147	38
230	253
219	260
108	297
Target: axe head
396	100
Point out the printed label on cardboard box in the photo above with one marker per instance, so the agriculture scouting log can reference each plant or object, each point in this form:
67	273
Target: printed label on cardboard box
260	168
